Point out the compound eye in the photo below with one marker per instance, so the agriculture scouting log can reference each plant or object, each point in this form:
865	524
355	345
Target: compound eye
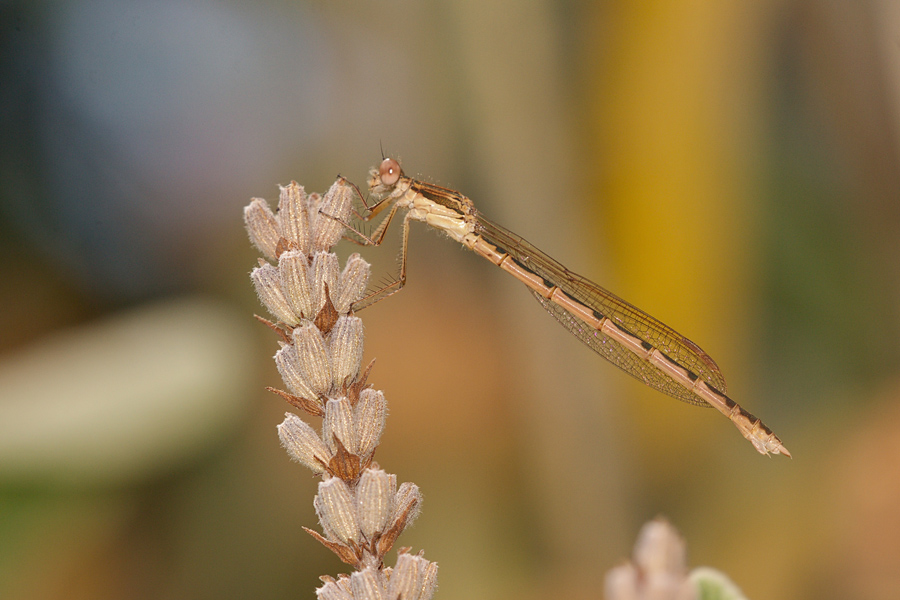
389	171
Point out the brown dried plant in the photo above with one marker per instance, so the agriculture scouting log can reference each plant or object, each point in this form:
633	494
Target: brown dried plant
361	509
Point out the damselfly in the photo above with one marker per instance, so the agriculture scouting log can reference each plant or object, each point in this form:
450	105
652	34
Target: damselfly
626	336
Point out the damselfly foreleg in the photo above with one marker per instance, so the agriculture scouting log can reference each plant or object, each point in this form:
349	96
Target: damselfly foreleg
376	238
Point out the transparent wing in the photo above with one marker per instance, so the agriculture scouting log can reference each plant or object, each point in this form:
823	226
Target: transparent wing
606	304
618	355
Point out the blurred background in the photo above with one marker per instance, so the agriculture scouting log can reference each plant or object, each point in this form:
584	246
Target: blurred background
730	167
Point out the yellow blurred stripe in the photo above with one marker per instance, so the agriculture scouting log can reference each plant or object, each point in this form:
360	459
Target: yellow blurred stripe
673	104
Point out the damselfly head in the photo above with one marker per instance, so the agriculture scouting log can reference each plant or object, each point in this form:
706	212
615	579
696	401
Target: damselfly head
389	172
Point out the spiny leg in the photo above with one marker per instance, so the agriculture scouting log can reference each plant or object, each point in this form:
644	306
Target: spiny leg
371	211
376	239
397	284
377	236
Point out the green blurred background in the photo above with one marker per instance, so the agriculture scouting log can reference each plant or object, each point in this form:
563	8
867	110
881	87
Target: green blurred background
730	167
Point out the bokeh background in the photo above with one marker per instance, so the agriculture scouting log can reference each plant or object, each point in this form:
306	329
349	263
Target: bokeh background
730	167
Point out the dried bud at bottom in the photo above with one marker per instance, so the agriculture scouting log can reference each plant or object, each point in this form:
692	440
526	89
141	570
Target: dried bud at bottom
658	570
660	549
